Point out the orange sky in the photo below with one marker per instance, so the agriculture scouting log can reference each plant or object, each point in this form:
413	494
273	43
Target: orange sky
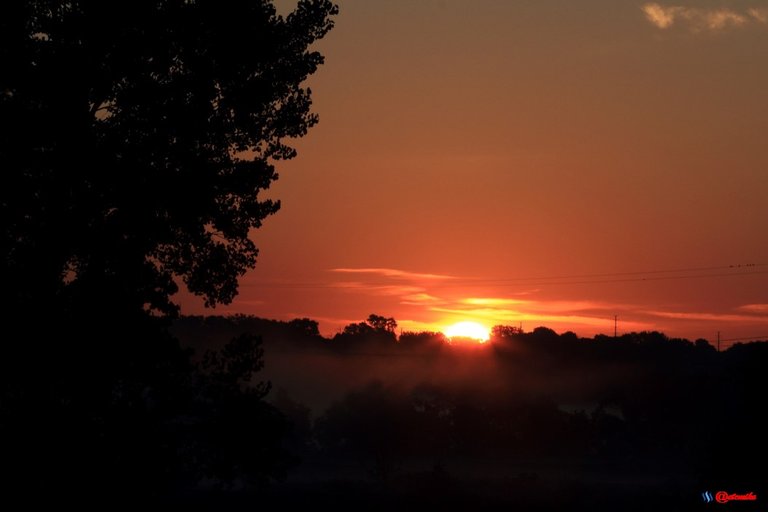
549	162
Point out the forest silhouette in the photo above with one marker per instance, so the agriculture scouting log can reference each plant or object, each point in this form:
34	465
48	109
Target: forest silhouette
136	139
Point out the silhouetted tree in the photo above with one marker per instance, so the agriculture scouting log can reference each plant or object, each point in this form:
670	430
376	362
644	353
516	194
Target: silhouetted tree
505	331
305	327
358	329
704	345
135	139
376	330
422	340
381	323
229	433
541	334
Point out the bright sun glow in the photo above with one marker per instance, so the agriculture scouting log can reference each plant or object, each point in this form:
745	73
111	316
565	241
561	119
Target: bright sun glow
472	330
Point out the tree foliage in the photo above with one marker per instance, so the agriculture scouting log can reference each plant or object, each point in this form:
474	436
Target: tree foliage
381	323
136	137
136	140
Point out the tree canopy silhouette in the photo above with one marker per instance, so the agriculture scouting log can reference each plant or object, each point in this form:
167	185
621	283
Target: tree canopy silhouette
135	141
135	138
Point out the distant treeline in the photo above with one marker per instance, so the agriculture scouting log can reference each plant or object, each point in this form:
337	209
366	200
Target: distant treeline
379	332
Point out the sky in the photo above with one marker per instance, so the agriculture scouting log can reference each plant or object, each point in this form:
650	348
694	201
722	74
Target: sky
531	163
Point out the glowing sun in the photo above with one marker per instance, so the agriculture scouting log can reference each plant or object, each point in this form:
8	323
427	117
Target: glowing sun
471	330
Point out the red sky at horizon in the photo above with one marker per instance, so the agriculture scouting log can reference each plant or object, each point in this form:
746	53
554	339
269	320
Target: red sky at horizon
547	163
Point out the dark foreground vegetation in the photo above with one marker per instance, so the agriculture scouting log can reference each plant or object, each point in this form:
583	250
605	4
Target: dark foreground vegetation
237	413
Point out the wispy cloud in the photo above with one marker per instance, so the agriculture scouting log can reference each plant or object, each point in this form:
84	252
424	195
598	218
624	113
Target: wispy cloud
662	17
392	273
703	19
491	301
493	315
434	301
760	309
569	306
707	317
380	289
759	14
420	299
550	306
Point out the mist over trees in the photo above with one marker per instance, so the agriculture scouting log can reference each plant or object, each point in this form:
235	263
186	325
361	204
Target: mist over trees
534	418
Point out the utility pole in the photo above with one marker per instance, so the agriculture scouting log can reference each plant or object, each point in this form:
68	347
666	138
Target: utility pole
718	341
615	325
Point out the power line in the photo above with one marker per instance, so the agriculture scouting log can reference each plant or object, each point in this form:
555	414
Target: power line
598	281
749	338
633	273
597	278
733	341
